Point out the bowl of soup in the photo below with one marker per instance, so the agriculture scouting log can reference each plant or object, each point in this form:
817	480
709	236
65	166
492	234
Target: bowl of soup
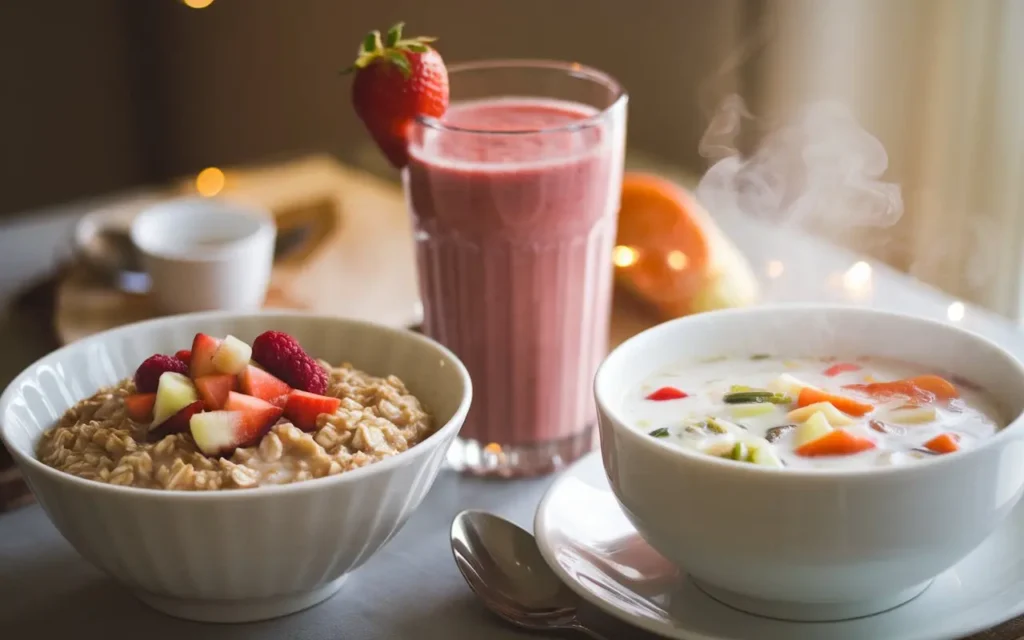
812	462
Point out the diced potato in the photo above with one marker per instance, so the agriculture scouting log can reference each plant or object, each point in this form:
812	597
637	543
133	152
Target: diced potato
813	428
719	448
912	415
751	410
765	456
835	417
787	384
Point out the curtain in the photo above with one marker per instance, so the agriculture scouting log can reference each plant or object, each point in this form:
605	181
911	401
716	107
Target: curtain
940	83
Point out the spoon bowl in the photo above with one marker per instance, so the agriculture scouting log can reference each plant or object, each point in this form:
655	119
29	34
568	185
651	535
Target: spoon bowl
503	566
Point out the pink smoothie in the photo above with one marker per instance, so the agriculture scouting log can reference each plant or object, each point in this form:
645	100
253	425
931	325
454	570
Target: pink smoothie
514	236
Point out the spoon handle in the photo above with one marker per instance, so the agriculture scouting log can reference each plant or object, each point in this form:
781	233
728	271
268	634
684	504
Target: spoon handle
587	631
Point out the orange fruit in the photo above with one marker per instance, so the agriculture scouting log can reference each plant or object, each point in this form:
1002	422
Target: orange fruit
662	250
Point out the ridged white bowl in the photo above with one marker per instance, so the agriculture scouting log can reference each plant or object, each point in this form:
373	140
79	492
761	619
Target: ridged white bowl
240	555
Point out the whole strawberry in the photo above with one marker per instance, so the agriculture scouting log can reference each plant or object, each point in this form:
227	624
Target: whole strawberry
395	81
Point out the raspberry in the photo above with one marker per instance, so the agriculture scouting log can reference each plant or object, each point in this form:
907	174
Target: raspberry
282	356
184	355
147	376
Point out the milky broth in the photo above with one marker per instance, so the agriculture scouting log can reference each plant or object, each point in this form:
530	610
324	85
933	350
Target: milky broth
971	418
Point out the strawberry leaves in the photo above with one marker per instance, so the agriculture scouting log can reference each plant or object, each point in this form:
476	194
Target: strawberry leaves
392	47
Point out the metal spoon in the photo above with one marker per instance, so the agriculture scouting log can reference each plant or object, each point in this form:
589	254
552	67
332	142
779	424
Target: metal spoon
504	568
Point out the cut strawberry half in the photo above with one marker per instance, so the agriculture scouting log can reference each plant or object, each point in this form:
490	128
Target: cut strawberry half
303	408
178	423
243	422
139	406
213	390
259	384
203	349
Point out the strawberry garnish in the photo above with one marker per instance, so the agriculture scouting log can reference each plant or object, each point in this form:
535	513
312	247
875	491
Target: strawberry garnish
397	80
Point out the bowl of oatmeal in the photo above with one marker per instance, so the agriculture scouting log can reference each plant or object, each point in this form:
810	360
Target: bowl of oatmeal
235	467
812	462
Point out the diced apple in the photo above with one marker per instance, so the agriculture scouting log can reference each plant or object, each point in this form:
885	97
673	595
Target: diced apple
788	384
204	347
258	383
174	392
178	423
232	356
813	428
303	408
242	423
139	406
835	417
912	415
213	390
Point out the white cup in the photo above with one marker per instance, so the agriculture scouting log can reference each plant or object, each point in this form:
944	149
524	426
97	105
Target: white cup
206	253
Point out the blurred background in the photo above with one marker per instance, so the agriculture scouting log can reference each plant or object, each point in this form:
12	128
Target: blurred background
108	95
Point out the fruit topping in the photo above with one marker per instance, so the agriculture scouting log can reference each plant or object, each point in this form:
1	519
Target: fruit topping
259	384
303	408
185	355
177	423
174	392
397	80
204	347
213	390
147	376
232	356
139	406
243	421
281	355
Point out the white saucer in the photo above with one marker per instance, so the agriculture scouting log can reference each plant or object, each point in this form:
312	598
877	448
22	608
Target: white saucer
590	544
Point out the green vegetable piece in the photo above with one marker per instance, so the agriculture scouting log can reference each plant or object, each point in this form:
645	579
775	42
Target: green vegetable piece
740	452
745	397
752	409
760	356
737	388
660	432
716	426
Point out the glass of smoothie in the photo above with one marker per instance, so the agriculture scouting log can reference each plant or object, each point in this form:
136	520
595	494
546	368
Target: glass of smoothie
514	195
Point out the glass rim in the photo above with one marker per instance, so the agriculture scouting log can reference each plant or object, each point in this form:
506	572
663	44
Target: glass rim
574	69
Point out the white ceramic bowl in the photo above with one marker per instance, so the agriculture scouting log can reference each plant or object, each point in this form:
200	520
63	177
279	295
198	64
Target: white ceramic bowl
240	555
812	544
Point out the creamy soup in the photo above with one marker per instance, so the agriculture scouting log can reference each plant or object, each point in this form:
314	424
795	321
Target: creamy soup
812	412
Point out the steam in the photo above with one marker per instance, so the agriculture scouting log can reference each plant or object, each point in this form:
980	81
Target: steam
821	171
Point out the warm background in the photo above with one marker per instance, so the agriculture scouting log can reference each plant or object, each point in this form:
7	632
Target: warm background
107	94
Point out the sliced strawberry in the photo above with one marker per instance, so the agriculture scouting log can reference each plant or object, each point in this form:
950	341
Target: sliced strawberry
139	406
178	423
213	390
203	349
259	384
243	422
184	355
280	401
303	408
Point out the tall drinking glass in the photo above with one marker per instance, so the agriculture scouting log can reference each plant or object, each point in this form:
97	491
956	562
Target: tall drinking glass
514	195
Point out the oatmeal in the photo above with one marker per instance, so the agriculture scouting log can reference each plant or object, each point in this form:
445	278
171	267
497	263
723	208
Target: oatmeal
105	438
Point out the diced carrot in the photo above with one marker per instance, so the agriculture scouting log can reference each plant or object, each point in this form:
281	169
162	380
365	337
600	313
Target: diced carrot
895	389
667	393
943	443
942	389
841	367
836	443
846	405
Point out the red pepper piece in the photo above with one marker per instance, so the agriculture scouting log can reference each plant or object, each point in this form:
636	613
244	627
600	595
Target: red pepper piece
667	393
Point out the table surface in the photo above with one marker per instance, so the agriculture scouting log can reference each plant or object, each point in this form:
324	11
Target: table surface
411	588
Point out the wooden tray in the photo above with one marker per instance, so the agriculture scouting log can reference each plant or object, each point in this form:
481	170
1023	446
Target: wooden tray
349	249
